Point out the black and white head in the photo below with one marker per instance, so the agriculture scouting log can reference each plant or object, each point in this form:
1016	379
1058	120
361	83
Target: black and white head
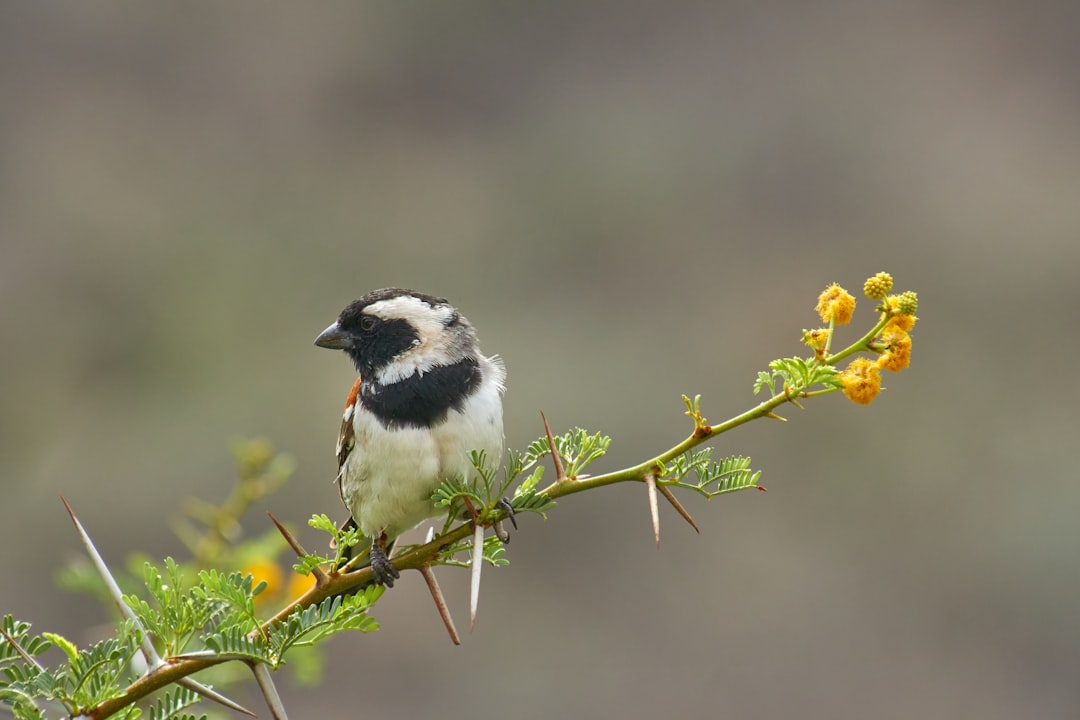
417	356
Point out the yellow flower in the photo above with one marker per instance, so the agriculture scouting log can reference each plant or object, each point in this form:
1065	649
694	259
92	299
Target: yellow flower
861	381
836	304
897	304
908	303
268	571
901	322
897	355
877	287
815	338
298	585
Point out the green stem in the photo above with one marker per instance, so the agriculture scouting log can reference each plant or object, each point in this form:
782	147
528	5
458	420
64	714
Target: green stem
861	344
817	393
156	679
638	472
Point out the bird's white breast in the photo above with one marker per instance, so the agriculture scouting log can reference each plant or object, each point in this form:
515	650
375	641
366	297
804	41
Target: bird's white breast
388	478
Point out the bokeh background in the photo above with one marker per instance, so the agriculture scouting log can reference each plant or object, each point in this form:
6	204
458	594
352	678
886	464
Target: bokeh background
630	203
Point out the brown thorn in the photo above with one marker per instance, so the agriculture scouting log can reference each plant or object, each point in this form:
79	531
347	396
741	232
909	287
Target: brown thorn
318	572
472	509
654	510
289	538
774	416
440	602
560	472
670	496
70	511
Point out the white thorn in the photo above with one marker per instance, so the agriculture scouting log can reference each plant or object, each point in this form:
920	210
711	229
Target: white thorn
477	564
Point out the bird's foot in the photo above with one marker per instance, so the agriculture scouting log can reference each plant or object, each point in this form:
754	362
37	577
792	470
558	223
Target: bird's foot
383	571
500	531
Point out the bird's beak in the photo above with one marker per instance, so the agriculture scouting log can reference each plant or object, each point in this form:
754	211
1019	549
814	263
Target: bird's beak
334	338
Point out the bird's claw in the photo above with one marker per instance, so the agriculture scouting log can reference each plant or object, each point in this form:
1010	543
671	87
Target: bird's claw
500	531
383	571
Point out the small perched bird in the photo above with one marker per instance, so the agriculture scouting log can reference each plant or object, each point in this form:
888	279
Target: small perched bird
425	398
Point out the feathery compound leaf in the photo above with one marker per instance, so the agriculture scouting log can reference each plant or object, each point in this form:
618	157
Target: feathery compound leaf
764	380
711	478
19	632
172	702
460	553
798	374
537	449
20	703
306	626
451	491
240	642
322	522
101	671
578	448
527	499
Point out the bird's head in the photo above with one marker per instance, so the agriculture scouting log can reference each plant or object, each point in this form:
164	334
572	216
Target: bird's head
392	333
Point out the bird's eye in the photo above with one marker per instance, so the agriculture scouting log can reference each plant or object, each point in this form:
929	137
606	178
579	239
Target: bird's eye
368	323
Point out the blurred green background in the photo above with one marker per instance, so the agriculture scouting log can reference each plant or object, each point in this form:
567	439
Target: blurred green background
629	203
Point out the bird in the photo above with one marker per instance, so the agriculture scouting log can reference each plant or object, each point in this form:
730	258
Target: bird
424	399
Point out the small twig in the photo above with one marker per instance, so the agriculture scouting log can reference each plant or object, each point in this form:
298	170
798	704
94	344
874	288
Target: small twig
654	511
153	660
266	684
560	472
440	602
27	657
318	572
670	496
32	662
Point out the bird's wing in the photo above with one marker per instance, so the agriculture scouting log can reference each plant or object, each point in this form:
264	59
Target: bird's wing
347	436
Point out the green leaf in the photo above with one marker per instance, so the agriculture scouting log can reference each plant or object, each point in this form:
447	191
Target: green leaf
798	375
711	478
172	702
64	644
578	449
324	523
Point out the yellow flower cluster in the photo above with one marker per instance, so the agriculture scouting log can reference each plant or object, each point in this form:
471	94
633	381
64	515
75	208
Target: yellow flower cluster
836	304
877	287
818	340
861	380
262	569
897	353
